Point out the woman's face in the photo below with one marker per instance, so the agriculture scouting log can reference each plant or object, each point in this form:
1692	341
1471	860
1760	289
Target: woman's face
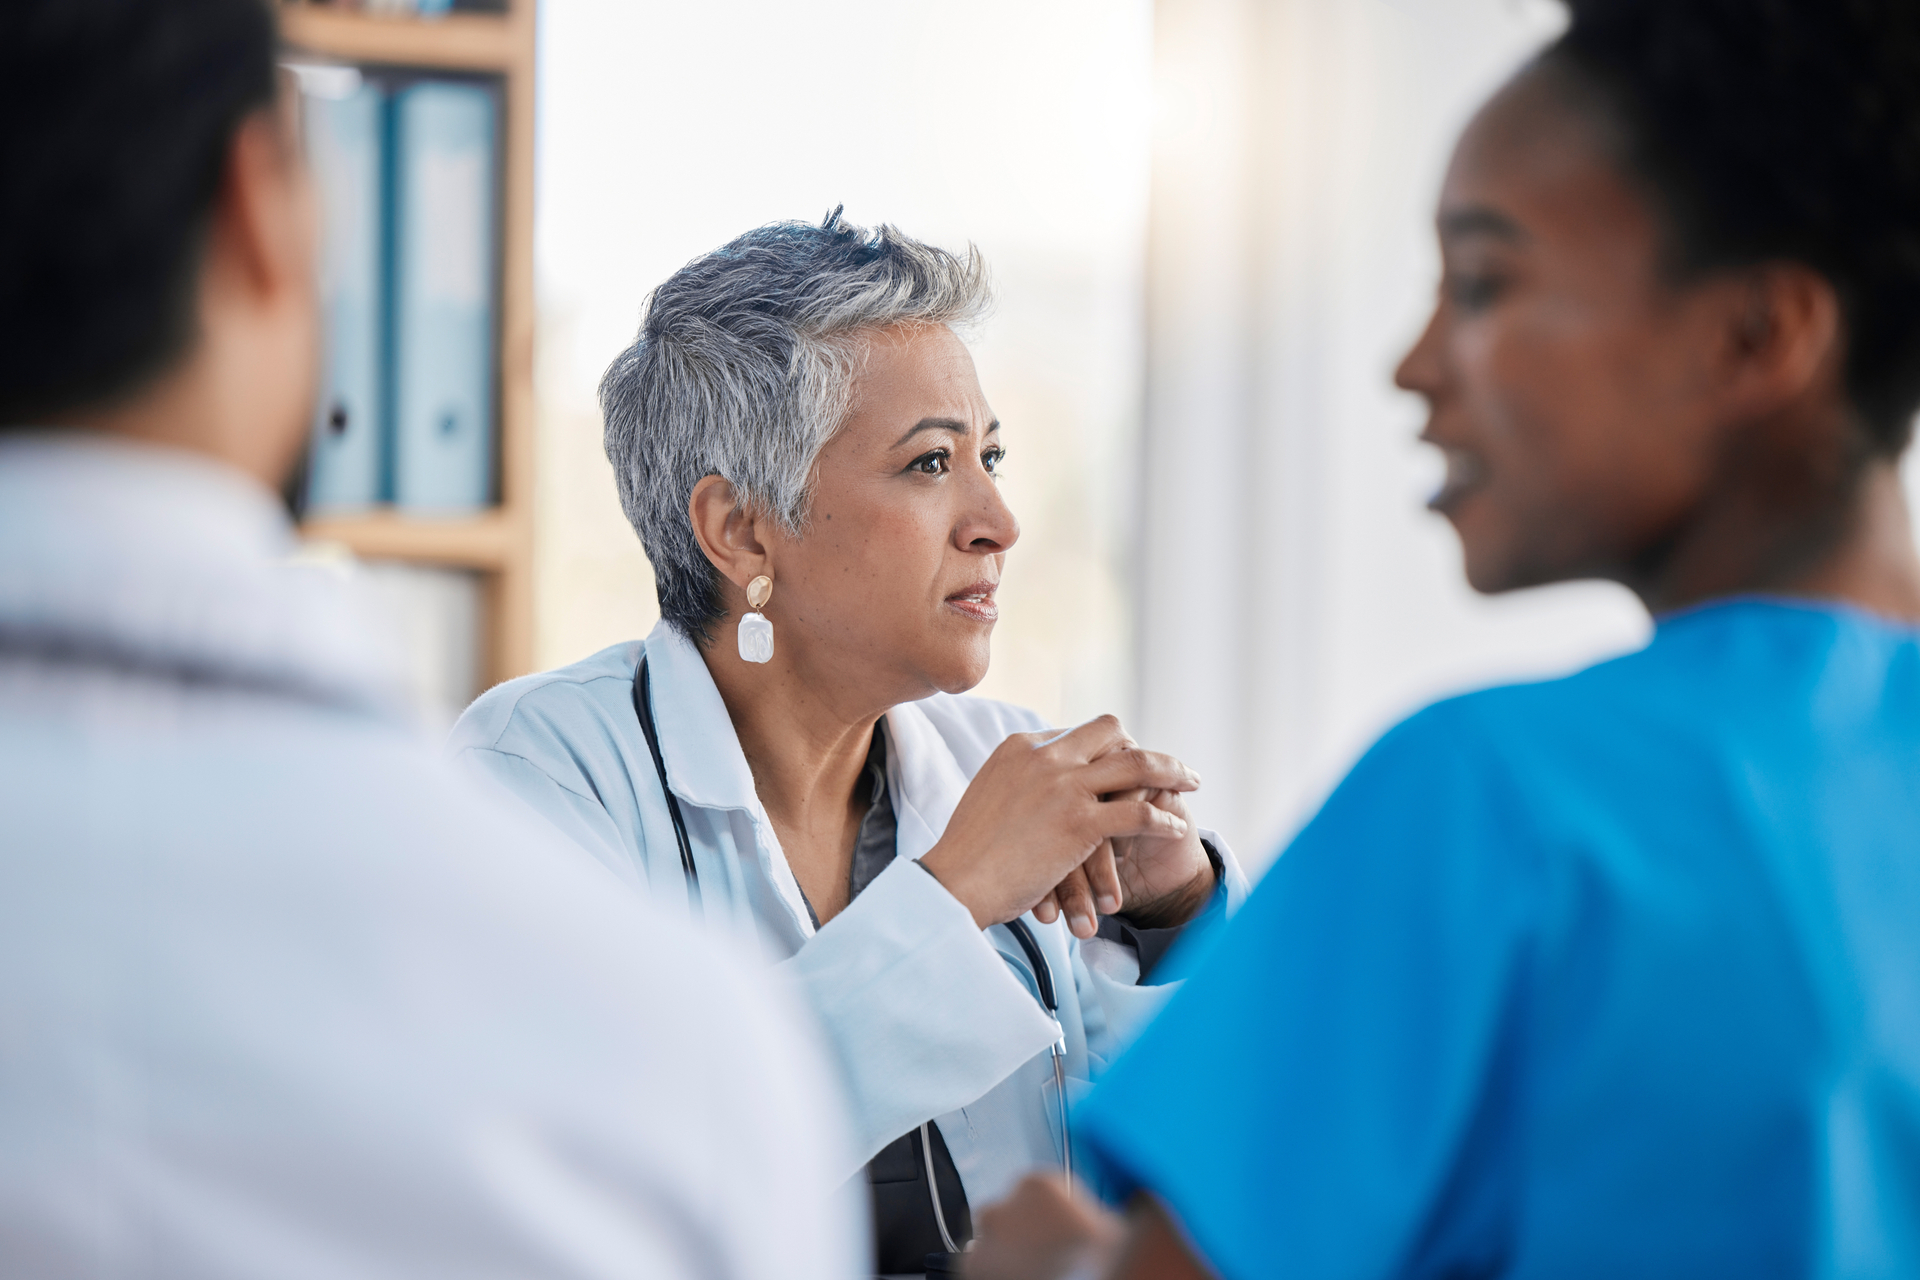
895	575
1570	388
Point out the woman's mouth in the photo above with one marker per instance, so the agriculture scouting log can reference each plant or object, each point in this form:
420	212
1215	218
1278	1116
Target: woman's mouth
977	601
1465	473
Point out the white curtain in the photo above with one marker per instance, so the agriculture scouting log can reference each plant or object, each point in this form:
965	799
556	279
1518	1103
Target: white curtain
1294	598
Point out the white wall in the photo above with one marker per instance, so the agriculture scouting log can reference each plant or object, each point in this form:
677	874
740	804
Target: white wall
668	128
1238	560
1295	598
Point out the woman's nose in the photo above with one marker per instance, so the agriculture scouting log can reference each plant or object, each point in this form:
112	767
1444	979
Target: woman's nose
989	525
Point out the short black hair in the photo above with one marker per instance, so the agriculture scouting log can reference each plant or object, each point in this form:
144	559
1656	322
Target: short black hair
1780	130
116	118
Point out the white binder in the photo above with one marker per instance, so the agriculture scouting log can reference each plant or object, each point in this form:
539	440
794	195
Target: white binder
345	139
443	280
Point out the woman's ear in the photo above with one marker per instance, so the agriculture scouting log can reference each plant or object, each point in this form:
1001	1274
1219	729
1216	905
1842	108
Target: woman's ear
1786	338
728	531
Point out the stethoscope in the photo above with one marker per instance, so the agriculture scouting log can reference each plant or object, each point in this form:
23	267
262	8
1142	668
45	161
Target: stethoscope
1036	958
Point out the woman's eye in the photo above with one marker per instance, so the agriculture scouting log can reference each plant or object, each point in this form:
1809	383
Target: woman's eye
1475	292
992	459
931	464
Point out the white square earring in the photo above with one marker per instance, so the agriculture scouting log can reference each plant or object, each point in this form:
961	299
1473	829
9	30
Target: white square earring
756	633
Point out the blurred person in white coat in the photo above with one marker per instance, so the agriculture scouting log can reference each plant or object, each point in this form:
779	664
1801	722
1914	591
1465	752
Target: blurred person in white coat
279	994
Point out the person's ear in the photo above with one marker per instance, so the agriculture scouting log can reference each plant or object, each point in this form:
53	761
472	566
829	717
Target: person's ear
259	293
729	531
1784	338
266	223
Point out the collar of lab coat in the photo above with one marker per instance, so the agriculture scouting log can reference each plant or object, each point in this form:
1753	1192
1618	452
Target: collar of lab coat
706	767
157	559
926	780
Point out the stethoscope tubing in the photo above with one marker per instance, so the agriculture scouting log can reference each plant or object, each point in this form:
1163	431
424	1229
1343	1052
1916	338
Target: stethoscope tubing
1050	1001
643	706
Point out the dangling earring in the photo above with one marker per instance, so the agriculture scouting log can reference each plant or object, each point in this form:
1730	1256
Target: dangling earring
756	633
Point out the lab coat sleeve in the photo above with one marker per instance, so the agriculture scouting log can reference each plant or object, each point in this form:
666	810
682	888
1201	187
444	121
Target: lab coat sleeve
920	1010
1116	1009
582	819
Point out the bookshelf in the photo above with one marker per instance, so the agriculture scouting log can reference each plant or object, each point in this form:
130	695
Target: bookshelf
496	543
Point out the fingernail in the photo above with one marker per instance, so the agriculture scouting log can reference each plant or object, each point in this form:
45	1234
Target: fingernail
1108	904
1084	926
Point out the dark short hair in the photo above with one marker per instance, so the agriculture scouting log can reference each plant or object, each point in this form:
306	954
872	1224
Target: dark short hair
1779	130
116	117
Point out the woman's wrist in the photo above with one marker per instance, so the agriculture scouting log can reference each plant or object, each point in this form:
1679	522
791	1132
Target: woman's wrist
1171	910
951	878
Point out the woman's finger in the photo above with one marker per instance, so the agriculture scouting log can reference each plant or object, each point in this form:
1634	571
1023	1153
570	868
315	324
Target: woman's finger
1132	768
1103	879
1116	818
1076	901
1047	910
1089	741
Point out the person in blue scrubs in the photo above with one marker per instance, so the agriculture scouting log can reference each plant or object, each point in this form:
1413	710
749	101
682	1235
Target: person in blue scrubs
1617	974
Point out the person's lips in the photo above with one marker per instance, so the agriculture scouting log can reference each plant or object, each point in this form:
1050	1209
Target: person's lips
1466	472
976	601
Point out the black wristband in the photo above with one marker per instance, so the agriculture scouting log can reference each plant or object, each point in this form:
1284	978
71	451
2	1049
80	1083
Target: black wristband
1219	863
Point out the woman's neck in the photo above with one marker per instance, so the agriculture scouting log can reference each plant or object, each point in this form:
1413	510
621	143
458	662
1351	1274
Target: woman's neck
1844	535
806	742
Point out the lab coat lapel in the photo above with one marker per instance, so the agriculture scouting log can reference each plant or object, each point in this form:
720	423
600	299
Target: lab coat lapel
705	765
706	768
926	780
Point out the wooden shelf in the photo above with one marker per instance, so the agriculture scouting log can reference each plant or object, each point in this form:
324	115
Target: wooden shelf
489	542
497	544
456	42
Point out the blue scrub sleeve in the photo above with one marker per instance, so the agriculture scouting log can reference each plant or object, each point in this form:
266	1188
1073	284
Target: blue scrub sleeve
1332	1072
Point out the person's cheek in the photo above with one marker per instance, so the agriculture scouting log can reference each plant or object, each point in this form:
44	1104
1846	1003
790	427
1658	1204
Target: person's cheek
1492	520
899	561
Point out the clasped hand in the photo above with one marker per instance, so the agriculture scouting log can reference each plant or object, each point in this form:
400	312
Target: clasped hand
1075	823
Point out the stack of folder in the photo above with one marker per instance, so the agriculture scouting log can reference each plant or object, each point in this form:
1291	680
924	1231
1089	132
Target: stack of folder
407	170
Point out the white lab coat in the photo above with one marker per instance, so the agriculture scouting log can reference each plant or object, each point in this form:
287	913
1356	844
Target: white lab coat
928	1017
283	996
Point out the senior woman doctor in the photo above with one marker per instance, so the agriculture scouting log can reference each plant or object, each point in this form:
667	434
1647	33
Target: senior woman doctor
804	449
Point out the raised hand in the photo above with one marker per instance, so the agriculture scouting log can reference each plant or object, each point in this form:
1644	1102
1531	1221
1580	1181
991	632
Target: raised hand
1043	1232
1157	881
1165	881
1037	810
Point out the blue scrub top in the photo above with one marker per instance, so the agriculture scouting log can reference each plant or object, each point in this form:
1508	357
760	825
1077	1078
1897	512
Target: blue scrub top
1612	975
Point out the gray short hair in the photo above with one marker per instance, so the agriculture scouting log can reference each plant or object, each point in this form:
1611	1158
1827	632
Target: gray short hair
744	369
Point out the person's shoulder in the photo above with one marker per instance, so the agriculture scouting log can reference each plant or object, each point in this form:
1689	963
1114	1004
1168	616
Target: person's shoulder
449	921
972	727
1555	706
551	708
1501	744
